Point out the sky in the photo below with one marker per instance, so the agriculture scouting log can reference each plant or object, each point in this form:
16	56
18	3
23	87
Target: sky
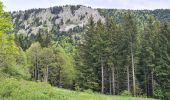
15	5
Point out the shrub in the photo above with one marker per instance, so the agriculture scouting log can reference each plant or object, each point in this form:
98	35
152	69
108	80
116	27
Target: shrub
125	93
15	89
158	93
88	91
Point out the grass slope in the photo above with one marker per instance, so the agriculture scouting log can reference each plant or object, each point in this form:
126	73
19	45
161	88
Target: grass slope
14	89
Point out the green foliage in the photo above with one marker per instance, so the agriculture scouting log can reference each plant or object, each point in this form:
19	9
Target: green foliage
86	60
125	93
5	20
20	89
64	66
13	59
33	54
51	64
23	41
88	91
14	89
43	37
158	92
114	43
133	44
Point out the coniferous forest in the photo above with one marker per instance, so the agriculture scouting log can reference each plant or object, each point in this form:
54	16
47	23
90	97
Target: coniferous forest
127	54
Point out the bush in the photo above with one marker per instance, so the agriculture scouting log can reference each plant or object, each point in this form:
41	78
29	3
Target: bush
88	91
77	88
8	86
125	93
15	89
158	93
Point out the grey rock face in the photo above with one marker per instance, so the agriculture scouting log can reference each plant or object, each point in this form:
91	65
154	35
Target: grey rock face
63	18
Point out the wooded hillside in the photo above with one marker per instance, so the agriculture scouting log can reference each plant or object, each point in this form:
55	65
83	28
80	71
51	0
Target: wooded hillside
116	52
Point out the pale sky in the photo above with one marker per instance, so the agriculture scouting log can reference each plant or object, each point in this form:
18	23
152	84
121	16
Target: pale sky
15	5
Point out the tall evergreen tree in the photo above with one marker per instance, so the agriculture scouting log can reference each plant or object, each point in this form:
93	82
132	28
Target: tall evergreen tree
86	50
130	30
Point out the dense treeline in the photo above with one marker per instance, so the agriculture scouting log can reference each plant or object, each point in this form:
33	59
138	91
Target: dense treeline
111	57
161	14
118	57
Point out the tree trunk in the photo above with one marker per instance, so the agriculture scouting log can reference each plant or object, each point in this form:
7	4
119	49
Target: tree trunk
46	74
118	82
110	83
128	81
38	76
113	79
34	74
152	83
148	84
36	68
102	76
133	70
146	88
46	69
59	76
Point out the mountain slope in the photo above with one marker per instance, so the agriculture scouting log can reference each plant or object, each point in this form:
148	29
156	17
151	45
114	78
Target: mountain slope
72	18
55	18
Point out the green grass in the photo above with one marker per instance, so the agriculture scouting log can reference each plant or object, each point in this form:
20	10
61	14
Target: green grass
14	89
